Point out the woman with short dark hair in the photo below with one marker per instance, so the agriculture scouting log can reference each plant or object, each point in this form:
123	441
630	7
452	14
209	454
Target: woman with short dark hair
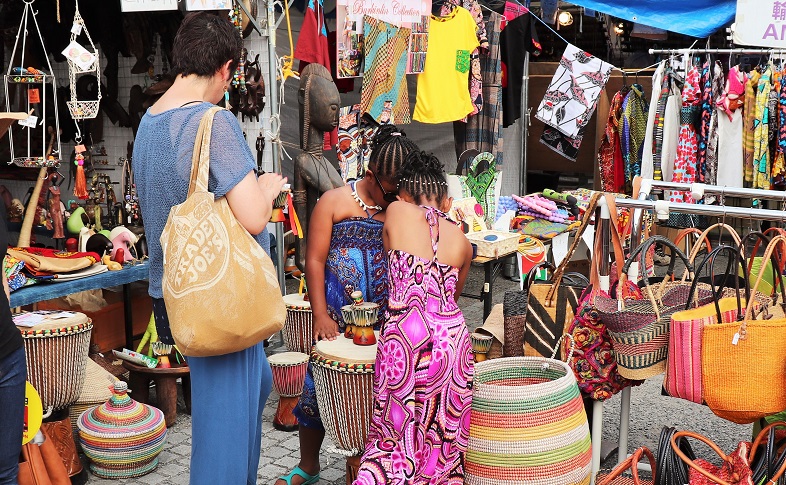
228	391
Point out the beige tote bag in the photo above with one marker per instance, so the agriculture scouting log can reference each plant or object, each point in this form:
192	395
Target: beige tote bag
220	287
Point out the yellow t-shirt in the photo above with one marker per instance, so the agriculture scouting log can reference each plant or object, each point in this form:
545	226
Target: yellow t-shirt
443	87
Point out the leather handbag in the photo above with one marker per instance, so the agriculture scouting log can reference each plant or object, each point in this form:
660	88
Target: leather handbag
735	468
220	287
765	459
671	469
42	465
618	475
61	434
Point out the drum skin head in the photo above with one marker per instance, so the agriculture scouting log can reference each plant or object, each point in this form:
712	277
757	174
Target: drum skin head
287	358
344	350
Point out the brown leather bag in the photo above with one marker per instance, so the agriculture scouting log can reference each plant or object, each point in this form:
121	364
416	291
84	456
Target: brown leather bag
61	434
41	465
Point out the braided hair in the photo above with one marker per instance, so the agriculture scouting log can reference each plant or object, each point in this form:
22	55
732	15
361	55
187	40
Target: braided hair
389	148
422	176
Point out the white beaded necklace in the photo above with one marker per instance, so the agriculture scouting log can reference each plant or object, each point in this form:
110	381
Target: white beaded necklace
360	201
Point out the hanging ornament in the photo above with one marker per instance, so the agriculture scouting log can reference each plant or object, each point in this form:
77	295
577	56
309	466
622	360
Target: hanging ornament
80	185
82	61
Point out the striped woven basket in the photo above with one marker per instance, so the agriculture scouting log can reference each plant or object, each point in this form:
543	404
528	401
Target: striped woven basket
95	391
528	425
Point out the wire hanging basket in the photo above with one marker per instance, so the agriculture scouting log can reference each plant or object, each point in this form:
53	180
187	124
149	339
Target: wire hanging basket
82	61
33	84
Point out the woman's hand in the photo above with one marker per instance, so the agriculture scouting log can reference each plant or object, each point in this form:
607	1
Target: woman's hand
271	184
325	328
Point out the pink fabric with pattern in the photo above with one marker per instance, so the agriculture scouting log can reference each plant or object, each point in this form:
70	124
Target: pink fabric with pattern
688	144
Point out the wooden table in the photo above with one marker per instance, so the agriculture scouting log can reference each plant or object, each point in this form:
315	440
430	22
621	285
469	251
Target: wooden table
491	269
166	387
48	291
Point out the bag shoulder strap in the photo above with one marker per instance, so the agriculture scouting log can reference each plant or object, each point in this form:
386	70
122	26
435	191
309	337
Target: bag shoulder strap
200	159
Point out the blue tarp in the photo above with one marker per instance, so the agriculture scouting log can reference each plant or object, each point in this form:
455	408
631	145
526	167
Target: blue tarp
697	18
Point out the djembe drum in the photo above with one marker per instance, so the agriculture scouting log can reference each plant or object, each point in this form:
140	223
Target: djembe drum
481	344
298	327
56	354
289	373
364	316
344	379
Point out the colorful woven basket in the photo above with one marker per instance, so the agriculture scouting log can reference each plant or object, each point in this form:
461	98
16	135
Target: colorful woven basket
528	425
96	390
122	438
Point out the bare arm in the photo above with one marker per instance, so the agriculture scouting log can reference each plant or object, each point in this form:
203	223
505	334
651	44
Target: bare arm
319	232
6	288
251	200
464	270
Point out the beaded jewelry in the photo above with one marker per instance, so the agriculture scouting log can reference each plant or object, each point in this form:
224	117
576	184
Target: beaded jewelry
361	203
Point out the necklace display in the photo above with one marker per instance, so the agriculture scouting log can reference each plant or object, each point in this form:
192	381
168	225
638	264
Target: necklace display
360	201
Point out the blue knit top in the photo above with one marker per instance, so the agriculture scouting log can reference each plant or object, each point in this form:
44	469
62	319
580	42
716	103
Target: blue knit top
162	167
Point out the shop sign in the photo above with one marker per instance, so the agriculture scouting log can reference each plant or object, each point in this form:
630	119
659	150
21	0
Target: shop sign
147	5
761	23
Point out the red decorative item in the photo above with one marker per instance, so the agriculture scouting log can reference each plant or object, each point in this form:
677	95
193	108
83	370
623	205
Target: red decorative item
120	255
80	185
71	245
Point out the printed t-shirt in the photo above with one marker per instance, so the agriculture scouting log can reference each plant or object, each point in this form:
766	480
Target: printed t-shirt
442	87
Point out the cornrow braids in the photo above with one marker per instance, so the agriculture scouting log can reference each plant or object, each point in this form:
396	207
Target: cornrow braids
422	176
389	148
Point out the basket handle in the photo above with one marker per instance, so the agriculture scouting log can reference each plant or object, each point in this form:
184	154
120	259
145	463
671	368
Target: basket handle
768	431
559	341
632	463
689	462
768	253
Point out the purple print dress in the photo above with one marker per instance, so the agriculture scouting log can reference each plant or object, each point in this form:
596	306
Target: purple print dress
423	376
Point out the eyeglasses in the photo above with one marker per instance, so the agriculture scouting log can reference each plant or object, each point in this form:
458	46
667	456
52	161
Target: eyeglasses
387	196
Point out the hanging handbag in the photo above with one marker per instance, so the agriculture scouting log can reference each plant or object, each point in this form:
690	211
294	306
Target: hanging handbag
481	182
765	460
735	468
618	475
593	358
42	465
61	434
639	328
536	317
683	364
742	363
220	287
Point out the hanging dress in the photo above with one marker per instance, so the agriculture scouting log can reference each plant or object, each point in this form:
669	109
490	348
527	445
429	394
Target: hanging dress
422	377
705	118
610	162
761	133
711	176
647	167
384	79
779	164
749	126
634	130
731	135
687	149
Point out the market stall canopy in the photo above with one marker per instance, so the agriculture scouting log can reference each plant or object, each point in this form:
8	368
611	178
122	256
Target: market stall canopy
697	18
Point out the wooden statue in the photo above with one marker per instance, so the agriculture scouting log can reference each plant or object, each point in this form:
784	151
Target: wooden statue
319	103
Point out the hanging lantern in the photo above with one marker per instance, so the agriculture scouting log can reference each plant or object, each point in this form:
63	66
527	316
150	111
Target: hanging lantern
32	83
82	61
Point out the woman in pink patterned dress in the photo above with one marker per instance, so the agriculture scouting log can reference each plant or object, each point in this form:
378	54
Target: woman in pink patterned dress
424	365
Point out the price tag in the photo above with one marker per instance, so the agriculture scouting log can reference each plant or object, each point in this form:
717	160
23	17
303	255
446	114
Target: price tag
29	122
76	29
80	149
33	96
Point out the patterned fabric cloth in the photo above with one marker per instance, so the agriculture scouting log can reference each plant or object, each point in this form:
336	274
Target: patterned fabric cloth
573	93
687	150
778	164
423	377
737	469
761	133
384	80
749	126
634	129
610	153
356	261
660	116
711	176
704	122
483	131
353	150
648	150
559	142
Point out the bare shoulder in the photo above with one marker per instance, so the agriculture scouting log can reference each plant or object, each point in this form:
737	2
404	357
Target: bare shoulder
401	209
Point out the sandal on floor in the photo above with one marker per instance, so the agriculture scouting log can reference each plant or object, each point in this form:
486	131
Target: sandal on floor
297	471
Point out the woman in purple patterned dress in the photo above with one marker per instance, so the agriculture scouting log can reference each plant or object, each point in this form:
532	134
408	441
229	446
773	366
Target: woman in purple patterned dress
424	365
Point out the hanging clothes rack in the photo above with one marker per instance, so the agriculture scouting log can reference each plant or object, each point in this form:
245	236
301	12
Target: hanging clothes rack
678	52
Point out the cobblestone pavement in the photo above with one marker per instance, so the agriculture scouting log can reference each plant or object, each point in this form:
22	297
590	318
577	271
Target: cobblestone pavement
649	413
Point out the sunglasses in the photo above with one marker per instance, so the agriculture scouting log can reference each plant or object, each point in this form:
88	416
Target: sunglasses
387	196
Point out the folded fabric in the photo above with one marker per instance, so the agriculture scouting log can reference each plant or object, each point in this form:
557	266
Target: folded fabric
41	261
13	272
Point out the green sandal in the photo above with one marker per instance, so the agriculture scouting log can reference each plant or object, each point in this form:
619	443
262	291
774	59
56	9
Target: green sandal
309	479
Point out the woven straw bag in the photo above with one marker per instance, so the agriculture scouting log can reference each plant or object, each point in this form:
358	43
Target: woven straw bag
220	287
743	368
618	475
639	328
527	424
